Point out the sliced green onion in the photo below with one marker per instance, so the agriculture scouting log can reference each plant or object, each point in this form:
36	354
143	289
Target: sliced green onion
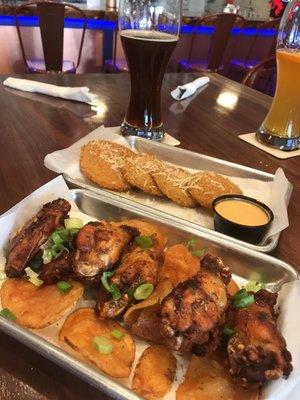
198	252
143	241
56	238
103	345
227	331
56	250
240	294
73	223
104	279
36	281
191	243
117	334
254	286
6	313
47	256
143	291
64	287
244	301
116	294
2	276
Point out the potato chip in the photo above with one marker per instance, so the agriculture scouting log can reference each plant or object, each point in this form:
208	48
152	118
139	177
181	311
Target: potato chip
148	229
38	307
154	373
162	289
79	331
209	379
179	264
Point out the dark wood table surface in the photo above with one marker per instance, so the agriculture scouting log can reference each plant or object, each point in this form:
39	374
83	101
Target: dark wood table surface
33	125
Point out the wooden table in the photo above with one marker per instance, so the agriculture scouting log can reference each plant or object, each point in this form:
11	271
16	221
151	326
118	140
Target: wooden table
33	125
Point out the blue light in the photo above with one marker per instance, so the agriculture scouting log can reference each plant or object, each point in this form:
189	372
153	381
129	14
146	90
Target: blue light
98	24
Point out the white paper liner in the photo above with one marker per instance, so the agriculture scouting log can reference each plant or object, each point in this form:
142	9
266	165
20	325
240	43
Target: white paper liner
288	322
275	194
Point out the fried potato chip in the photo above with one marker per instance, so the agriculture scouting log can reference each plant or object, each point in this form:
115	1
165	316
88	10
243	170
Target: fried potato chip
137	171
148	229
38	307
162	289
232	287
209	379
174	183
79	331
154	373
179	264
101	161
206	186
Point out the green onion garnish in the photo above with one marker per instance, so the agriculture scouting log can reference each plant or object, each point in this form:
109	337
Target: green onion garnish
116	294
47	256
102	344
191	243
143	291
254	286
227	331
64	287
244	301
6	313
73	223
56	250
104	279
240	294
73	231
33	277
56	238
117	334
198	252
143	241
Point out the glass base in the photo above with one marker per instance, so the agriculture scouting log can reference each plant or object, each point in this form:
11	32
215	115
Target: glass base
282	143
156	134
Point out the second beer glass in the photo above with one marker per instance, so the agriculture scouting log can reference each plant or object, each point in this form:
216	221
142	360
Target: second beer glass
149	31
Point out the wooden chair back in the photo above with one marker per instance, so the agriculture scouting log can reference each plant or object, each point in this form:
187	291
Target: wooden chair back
223	24
262	77
51	21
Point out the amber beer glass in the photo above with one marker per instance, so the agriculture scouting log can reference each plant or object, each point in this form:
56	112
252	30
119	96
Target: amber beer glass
281	127
149	31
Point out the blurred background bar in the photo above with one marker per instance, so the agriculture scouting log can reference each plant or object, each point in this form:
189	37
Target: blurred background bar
205	42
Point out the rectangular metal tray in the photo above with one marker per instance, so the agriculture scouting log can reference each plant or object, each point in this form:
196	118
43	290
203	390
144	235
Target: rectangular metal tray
192	160
243	263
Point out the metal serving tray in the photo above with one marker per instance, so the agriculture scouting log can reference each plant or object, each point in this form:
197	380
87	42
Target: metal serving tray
243	263
192	160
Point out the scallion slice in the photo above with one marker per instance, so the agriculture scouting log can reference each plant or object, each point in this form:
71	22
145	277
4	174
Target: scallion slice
2	276
227	331
198	252
191	243
6	313
104	279
143	291
56	250
73	223
117	334
240	294
116	294
47	256
36	281
143	241
64	287
254	286
103	345
244	301
73	231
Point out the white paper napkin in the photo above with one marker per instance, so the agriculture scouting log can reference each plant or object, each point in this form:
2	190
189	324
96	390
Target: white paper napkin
184	91
82	94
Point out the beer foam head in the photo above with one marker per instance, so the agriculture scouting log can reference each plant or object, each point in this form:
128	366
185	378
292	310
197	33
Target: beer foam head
150	35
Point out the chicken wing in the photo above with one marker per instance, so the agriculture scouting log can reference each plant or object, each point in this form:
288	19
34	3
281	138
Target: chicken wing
136	267
36	232
99	246
257	350
58	269
191	313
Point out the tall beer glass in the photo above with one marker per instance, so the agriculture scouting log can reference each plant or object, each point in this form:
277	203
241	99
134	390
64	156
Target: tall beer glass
281	128
149	32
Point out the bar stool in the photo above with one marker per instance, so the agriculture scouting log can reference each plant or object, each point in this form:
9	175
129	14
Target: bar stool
262	77
222	25
116	65
51	17
240	67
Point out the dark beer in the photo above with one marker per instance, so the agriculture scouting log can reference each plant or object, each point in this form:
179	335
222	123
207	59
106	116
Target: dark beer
147	54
